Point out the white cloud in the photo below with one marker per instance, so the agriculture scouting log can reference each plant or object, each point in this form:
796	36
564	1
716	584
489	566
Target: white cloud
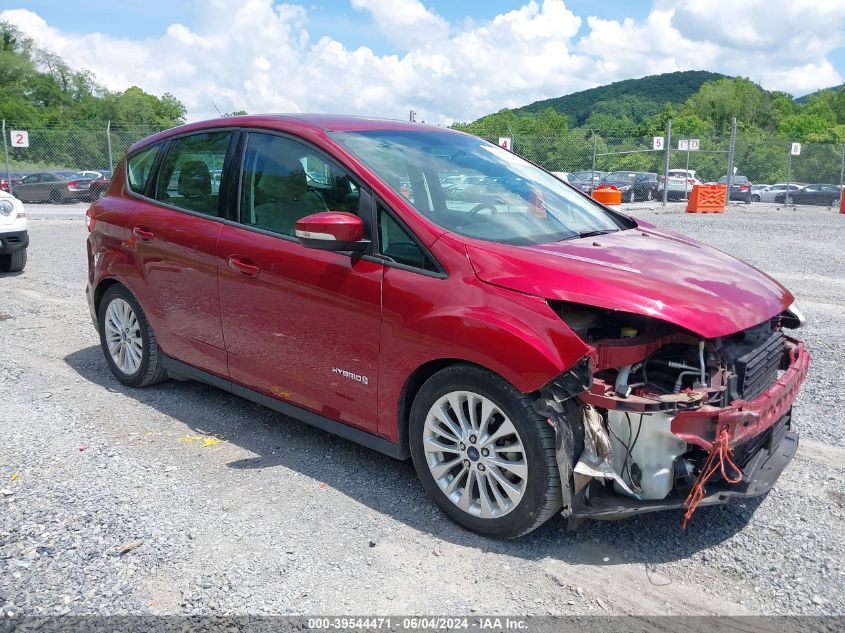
259	56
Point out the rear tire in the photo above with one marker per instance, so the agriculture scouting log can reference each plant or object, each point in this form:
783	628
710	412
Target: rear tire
127	340
478	492
13	262
755	198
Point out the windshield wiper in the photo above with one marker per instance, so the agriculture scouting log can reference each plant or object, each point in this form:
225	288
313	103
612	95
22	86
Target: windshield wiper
597	232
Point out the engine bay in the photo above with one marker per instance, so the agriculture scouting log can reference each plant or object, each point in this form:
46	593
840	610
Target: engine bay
649	418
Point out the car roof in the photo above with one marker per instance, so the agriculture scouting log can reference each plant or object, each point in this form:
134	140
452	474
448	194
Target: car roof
320	123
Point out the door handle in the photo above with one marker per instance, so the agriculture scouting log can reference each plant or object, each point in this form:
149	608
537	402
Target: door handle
244	266
143	233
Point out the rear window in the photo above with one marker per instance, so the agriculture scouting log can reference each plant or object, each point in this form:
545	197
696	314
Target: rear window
139	166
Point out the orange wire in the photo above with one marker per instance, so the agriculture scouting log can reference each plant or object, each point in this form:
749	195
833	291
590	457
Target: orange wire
722	451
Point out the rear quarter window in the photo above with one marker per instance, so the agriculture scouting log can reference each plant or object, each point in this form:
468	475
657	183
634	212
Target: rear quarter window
139	167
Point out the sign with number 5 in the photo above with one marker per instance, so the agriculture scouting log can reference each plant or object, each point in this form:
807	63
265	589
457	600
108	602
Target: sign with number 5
20	138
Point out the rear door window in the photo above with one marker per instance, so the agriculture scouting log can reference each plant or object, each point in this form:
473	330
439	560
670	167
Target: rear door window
186	177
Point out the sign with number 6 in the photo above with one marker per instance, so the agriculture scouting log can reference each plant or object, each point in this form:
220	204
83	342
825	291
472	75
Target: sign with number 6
20	138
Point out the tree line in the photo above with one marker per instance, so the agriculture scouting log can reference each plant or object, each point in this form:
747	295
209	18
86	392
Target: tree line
767	123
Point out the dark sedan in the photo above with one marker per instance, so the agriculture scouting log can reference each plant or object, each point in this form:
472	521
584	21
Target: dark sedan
99	186
634	185
826	195
740	188
56	187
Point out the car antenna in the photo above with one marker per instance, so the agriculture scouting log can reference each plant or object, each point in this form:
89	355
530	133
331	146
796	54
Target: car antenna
220	114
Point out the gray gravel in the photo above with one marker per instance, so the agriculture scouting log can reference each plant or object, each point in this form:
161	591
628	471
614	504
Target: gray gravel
117	501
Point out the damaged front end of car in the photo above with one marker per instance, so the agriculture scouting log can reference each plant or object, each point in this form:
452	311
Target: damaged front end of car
655	417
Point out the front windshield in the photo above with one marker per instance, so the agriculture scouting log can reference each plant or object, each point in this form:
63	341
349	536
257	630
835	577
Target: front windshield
477	189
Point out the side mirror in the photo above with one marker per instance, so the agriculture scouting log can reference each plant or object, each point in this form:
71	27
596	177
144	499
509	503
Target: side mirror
332	231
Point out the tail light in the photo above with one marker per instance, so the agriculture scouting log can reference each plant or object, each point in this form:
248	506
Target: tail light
72	184
90	219
743	187
691	181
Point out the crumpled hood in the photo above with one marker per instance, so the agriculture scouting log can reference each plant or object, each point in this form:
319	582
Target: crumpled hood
643	270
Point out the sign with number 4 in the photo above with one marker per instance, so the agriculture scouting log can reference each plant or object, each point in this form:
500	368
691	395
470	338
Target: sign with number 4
20	138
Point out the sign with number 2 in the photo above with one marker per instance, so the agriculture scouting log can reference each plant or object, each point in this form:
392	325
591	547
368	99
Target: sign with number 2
20	138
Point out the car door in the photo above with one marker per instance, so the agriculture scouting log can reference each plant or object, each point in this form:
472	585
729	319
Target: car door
27	188
300	324
173	231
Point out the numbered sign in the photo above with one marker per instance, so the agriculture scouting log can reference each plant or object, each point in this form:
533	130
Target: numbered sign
694	144
688	144
657	142
505	142
20	138
683	144
795	150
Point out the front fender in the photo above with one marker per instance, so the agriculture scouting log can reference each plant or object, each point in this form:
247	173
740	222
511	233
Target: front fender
427	321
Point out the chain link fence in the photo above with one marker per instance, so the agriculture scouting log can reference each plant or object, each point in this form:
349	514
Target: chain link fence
94	150
763	161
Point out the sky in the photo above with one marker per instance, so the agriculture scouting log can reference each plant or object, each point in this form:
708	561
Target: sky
447	60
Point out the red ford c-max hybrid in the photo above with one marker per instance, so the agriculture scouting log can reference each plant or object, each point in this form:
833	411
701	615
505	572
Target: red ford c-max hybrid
430	295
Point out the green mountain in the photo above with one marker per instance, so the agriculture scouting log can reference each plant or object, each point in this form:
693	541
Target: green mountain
636	98
806	97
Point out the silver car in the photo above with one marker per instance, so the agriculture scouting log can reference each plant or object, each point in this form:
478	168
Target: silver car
768	193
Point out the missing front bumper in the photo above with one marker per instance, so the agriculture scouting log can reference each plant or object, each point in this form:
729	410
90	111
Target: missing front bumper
764	468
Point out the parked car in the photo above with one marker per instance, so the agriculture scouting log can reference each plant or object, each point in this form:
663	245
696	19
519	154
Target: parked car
97	188
740	188
680	183
57	187
11	179
92	174
14	238
768	193
634	185
828	195
587	176
502	346
571	179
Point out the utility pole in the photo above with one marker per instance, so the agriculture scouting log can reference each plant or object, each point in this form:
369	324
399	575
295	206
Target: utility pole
667	144
731	150
108	140
6	152
593	172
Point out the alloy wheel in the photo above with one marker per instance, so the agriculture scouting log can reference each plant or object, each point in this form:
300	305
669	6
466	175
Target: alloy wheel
123	336
475	454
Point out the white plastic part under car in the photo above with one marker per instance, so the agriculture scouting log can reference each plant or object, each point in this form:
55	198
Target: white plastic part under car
14	237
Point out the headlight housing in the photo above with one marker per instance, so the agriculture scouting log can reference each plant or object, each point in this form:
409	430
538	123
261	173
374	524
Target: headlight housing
792	317
6	207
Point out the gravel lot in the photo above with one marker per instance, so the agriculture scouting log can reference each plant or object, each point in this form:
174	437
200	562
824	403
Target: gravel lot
183	499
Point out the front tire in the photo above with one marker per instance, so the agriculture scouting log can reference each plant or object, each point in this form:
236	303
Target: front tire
127	340
13	262
483	454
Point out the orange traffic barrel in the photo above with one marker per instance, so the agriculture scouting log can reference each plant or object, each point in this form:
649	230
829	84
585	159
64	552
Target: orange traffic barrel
842	201
708	199
608	195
